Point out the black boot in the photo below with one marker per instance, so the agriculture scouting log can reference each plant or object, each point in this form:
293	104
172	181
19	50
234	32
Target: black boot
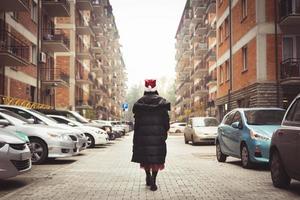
148	177
153	181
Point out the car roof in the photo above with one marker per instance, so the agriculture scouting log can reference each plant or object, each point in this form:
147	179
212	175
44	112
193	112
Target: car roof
257	108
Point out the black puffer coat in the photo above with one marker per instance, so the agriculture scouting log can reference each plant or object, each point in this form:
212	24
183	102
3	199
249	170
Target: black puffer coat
150	129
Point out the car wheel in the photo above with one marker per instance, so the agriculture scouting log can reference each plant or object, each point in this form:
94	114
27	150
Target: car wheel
220	156
245	157
113	137
39	151
279	176
90	141
178	131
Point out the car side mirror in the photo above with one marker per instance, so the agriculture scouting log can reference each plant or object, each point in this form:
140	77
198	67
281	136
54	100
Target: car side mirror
237	125
71	124
4	122
31	120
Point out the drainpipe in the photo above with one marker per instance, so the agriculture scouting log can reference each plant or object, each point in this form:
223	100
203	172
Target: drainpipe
276	53
2	68
38	93
230	56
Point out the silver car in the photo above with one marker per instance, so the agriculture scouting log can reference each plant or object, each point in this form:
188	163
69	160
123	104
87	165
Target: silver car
46	142
201	129
15	156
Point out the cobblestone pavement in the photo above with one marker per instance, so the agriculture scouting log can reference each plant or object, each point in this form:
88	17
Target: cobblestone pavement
192	172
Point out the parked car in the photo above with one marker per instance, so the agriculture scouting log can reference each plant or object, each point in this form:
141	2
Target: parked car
177	127
246	133
96	136
125	125
45	141
117	130
118	126
285	148
73	115
113	132
15	156
201	129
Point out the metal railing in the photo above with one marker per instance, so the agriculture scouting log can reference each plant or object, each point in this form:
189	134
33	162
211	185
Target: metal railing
26	3
289	7
54	74
64	2
290	68
56	35
6	100
9	43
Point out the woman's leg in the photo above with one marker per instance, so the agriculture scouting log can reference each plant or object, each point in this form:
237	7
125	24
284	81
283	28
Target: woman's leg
148	177
153	183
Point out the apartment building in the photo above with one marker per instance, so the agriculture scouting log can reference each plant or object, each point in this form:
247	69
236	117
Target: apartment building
64	54
257	56
196	65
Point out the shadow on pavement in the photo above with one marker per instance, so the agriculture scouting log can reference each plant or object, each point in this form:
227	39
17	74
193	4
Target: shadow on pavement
59	162
6	185
294	188
256	167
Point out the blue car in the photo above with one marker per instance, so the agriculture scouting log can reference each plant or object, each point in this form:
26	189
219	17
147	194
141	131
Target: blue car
246	133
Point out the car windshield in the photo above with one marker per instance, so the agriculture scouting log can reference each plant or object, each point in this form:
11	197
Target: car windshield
264	117
202	122
15	118
44	118
78	117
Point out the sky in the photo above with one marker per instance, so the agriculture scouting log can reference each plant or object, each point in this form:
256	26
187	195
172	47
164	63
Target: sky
147	29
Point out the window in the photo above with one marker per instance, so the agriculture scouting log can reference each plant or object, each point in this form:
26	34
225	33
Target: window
221	34
293	113
227	70
245	58
34	12
221	75
244	9
227	27
34	54
228	119
237	117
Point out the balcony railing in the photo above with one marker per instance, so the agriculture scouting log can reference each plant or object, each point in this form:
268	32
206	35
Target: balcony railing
289	8
14	5
13	52
290	69
55	40
54	76
57	8
84	4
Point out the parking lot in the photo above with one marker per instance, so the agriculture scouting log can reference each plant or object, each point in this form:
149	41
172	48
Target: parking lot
106	172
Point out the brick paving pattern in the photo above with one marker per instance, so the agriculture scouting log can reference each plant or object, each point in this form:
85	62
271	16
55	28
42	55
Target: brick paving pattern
192	172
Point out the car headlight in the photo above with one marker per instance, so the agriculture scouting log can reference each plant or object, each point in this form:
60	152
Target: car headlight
2	144
256	136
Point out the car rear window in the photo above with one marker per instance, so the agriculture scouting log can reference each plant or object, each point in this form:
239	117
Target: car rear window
264	117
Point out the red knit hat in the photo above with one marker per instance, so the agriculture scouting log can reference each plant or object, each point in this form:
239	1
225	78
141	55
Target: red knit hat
150	85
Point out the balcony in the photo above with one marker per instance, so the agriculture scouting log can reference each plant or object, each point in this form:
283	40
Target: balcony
97	27
57	8
55	40
211	81
200	90
82	104
211	30
97	5
96	48
289	12
83	78
200	29
54	77
83	27
211	6
290	71
83	53
200	9
200	48
85	4
13	52
14	5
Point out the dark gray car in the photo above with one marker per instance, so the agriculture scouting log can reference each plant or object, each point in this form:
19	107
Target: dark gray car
285	148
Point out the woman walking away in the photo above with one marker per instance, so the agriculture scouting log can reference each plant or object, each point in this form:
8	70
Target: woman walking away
150	132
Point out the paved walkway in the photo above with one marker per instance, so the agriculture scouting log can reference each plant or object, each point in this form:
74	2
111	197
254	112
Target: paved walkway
192	172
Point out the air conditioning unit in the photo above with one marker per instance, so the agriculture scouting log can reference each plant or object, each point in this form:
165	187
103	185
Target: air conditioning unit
43	57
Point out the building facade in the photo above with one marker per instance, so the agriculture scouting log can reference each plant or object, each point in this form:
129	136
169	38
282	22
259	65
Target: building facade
250	57
63	54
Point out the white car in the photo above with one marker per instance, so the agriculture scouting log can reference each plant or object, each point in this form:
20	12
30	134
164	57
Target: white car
15	156
117	130
45	141
177	127
201	129
36	117
96	136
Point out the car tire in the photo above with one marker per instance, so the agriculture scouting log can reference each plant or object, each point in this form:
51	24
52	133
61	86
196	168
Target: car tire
178	131
39	151
220	156
113	137
245	157
279	176
90	141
